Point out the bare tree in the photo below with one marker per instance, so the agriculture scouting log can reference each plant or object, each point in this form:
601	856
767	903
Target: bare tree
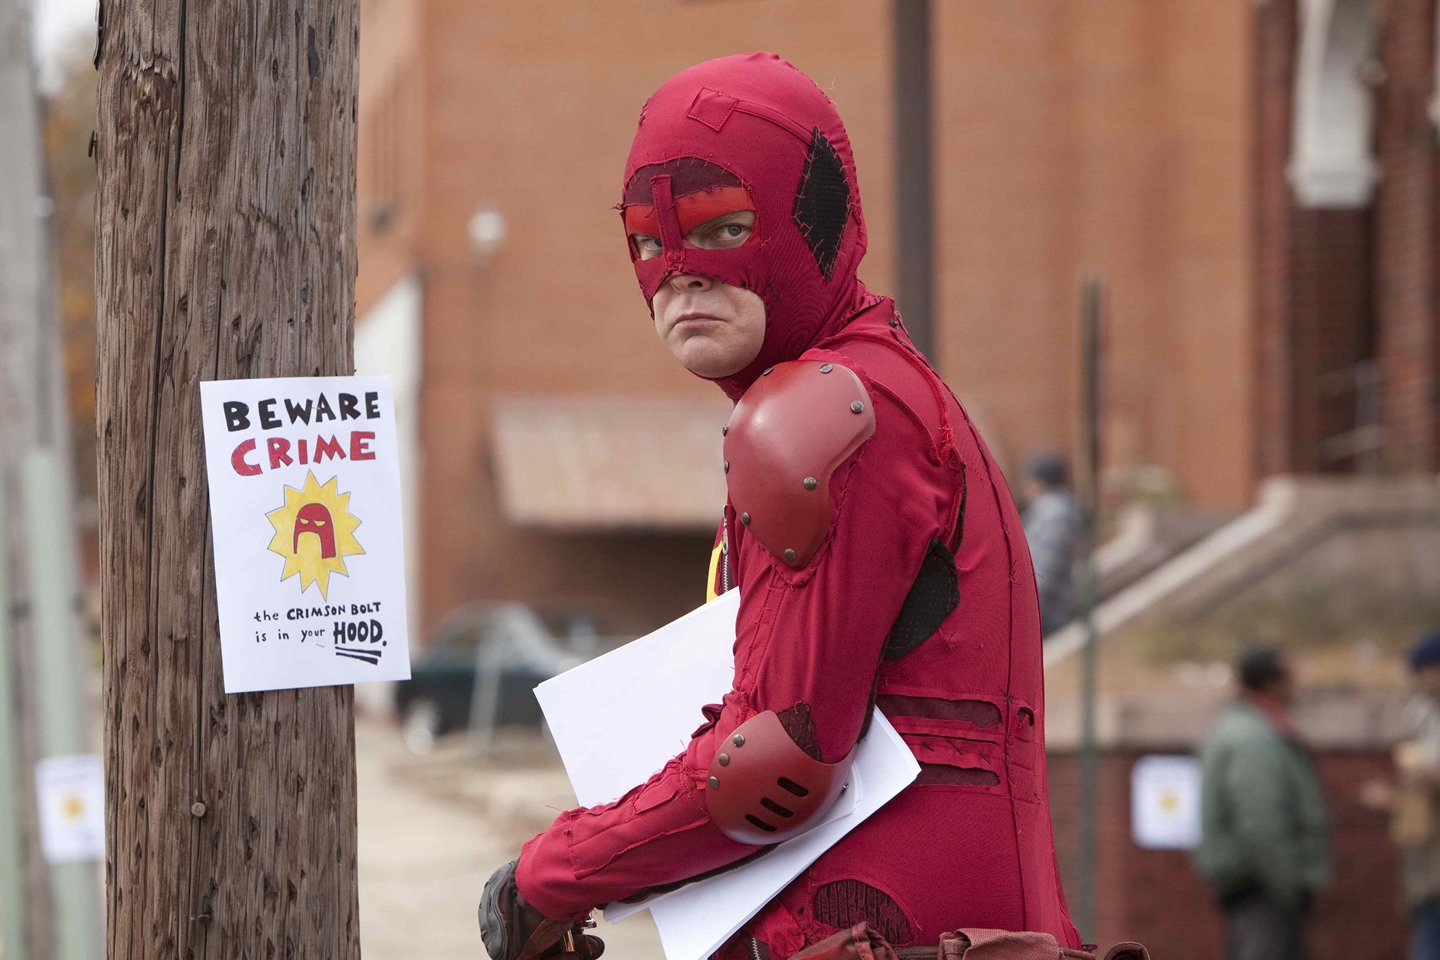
225	249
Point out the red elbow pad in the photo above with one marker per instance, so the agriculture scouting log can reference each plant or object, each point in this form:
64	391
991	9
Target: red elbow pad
764	789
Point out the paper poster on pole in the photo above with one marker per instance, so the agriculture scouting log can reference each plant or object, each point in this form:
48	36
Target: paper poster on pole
71	795
305	515
1165	802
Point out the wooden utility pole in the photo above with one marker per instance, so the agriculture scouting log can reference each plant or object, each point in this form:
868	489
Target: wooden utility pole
225	249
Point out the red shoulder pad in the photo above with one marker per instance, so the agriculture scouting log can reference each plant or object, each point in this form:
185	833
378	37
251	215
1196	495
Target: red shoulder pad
795	425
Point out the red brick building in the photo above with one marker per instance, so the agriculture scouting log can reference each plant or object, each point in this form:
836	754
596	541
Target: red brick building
1107	136
1255	180
1345	226
1157	898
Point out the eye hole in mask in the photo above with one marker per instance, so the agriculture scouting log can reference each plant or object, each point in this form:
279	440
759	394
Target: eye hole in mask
723	232
734	228
712	209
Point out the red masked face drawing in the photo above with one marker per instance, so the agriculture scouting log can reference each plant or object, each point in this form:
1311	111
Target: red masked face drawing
314	518
314	532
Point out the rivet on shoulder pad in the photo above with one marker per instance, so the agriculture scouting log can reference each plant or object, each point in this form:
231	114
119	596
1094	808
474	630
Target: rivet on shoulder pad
723	759
745	519
789	556
725	430
810	483
738	739
826	367
727	466
768	371
857	407
714	783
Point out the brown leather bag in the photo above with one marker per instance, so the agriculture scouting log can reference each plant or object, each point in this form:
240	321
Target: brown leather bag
861	943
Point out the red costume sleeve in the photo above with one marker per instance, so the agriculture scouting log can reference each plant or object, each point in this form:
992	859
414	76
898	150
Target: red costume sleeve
812	635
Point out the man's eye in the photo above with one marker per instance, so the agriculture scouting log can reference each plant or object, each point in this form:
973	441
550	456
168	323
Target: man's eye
726	235
646	247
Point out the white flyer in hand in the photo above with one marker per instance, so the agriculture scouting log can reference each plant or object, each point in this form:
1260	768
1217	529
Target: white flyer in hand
650	691
305	511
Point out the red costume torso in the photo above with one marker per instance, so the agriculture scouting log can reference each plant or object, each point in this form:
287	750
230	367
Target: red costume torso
969	844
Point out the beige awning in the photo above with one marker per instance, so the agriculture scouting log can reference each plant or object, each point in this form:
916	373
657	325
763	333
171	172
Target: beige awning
610	463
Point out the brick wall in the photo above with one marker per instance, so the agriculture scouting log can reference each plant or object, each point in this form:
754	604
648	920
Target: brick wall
1107	136
1405	226
1332	317
1334	287
1314	298
1110	138
1155	896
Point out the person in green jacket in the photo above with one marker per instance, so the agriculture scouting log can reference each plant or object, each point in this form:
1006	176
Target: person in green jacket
1264	847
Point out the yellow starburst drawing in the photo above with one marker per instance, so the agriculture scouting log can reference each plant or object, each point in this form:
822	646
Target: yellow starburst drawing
314	532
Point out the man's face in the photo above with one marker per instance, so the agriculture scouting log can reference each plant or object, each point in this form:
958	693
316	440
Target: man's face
713	328
1282	689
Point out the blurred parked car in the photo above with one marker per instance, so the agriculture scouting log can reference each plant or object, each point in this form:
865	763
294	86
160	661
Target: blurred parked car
518	651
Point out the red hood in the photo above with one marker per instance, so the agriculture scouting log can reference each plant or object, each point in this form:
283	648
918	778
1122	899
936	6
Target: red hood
772	129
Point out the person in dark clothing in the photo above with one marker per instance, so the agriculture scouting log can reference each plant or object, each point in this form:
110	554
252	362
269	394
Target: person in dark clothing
1052	528
1264	847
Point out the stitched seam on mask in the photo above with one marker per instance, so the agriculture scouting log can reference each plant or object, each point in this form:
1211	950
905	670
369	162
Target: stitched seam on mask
730	108
814	199
761	112
671	241
709	158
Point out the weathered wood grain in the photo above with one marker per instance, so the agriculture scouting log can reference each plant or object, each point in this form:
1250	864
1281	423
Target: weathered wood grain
225	249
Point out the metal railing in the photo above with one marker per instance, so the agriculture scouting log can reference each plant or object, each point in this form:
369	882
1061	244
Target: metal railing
1363	441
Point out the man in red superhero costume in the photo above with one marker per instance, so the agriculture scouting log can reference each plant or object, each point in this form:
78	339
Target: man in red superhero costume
878	554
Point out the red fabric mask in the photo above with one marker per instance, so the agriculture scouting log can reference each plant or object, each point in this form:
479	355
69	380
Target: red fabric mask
756	123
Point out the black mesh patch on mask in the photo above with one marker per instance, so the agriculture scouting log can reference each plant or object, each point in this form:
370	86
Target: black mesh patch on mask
844	903
822	204
933	597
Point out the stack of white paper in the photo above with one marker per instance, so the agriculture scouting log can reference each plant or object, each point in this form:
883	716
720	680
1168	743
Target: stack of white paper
618	719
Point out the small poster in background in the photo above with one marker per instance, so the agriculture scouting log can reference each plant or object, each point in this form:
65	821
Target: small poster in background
1165	802
71	794
305	513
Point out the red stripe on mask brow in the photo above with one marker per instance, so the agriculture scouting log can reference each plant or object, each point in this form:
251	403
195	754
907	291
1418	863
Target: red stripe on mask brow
691	210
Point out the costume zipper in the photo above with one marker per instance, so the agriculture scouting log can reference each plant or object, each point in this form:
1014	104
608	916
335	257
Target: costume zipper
725	555
754	949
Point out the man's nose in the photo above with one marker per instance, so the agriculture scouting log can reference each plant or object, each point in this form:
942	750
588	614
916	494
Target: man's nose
691	283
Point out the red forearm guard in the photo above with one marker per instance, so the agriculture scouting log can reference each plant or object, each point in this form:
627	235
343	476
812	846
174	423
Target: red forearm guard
764	789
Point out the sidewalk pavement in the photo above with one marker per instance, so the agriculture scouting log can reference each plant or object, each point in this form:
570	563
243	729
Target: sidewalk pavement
433	829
